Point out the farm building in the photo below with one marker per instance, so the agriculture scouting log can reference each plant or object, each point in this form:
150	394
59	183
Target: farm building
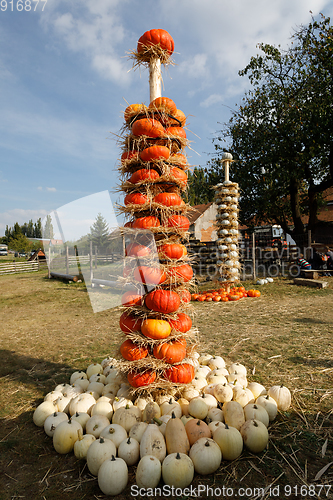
202	222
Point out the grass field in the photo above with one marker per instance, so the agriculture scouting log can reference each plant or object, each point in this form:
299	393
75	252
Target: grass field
48	330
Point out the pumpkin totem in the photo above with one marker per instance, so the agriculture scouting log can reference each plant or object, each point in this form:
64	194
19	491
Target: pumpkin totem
226	198
153	169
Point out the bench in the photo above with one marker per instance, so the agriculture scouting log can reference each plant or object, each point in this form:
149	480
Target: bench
313	273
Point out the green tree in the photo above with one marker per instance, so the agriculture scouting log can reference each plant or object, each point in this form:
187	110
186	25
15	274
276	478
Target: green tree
48	232
99	232
200	184
282	133
19	243
38	231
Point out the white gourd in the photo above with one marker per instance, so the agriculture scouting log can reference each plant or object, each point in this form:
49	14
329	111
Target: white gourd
99	451
113	476
129	450
148	472
153	443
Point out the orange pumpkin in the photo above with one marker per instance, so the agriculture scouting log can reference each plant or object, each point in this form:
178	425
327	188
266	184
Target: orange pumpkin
149	275
148	127
180	374
146	222
168	199
132	352
155	153
164	301
131	298
253	293
196	429
140	379
175	132
173	250
179	221
171	352
144	174
137	250
182	323
133	110
156	329
185	295
129	155
180	175
164	104
136	199
181	273
129	323
157	37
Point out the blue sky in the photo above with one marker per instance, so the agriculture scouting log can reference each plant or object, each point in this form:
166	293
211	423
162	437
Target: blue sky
65	80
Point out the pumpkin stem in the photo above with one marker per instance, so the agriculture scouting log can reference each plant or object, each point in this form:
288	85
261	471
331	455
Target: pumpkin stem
158	421
255	407
170	401
127	407
111	431
178	456
255	423
173	415
226	426
198	422
101	440
55	414
129	440
207	443
113	459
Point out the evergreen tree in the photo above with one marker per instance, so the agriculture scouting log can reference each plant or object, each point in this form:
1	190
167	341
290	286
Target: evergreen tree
30	229
37	233
48	232
99	232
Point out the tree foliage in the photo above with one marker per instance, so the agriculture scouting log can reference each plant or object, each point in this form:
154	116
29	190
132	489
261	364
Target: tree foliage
99	232
282	133
200	184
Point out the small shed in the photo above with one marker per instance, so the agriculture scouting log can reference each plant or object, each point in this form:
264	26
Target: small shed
203	222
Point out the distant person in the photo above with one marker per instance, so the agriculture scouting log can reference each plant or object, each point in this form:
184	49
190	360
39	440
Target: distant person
329	255
303	264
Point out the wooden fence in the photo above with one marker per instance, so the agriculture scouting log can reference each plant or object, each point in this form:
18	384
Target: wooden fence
21	267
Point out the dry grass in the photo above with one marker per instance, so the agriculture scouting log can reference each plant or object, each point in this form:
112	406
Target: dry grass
48	330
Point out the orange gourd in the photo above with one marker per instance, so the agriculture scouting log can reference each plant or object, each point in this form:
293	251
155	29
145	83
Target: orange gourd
132	352
171	352
156	329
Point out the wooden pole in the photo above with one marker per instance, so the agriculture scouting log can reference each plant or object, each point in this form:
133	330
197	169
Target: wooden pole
155	78
67	261
91	261
226	170
254	255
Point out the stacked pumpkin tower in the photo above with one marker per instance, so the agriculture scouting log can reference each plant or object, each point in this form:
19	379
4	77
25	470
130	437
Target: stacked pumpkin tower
226	199
156	353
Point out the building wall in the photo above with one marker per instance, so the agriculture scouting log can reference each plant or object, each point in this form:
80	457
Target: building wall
204	227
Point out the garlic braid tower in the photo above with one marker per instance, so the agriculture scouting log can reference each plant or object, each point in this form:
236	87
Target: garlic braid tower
226	198
157	352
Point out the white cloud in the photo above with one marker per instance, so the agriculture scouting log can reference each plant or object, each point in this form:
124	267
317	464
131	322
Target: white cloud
94	29
211	100
51	189
9	217
196	67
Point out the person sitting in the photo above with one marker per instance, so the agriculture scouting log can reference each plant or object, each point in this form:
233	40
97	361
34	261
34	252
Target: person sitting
303	264
329	262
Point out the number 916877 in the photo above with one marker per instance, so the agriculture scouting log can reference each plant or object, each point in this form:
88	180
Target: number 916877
22	5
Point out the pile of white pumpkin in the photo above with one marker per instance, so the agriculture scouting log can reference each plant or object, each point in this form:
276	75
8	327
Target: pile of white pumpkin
226	199
216	415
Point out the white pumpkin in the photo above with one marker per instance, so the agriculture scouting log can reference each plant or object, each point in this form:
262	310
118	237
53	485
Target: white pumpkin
190	393
233	414
255	435
206	456
202	371
121	403
72	391
137	430
93	368
129	450
254	411
237	368
177	470
115	432
99	451
281	395
230	442
107	362
82	418
197	408
112	388
216	378
127	417
45	409
171	406
82	382
215	414
113	476
223	393
162	421
82	445
82	403
257	389
114	375
205	358
214	425
148	472
237	379
141	403
98	377
199	382
269	404
52	421
153	443
152	410
242	396
76	375
96	424
102	408
210	400
65	436
63	404
125	391
95	387
52	396
216	362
